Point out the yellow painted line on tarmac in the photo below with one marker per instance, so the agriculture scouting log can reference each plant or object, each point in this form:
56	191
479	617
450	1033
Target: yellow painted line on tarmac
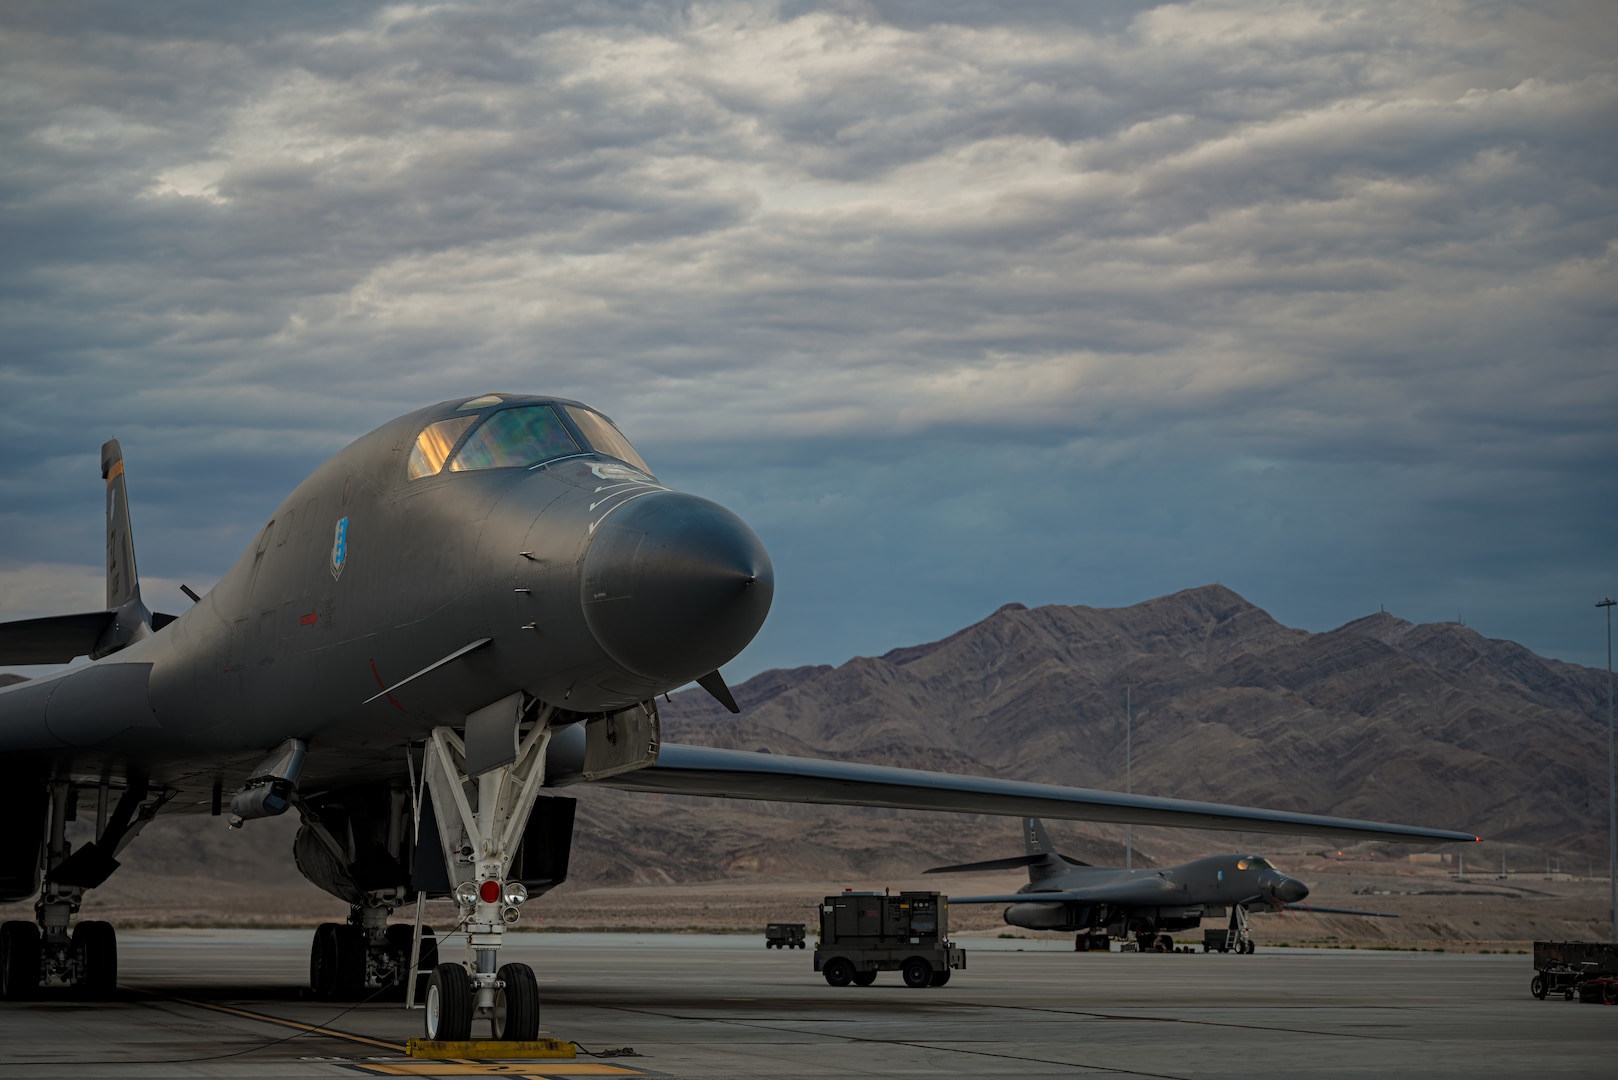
312	1028
525	1070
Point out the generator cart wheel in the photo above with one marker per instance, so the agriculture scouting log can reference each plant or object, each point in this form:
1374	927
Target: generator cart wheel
839	972
1609	992
864	978
940	977
1538	988
917	973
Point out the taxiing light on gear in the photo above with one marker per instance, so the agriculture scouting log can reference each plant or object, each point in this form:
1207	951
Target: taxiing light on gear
516	893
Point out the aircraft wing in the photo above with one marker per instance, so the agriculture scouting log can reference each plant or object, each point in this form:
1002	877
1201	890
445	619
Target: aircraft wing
1021	898
54	639
740	774
1318	910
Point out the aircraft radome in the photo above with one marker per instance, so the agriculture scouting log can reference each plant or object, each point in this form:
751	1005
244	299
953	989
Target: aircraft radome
456	617
1098	903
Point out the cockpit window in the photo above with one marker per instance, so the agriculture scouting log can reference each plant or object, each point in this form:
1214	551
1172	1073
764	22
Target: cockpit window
512	437
1253	862
606	438
434	444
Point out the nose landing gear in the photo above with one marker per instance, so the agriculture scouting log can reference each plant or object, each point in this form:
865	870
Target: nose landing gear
480	820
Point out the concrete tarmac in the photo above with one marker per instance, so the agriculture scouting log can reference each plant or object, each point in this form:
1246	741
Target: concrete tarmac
230	1003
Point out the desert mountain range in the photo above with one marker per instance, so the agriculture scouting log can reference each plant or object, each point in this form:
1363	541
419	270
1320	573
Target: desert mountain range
1428	724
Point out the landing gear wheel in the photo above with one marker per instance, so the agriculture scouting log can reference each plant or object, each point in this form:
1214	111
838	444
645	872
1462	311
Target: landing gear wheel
940	978
449	1004
337	962
97	946
917	973
838	971
516	1005
864	978
19	961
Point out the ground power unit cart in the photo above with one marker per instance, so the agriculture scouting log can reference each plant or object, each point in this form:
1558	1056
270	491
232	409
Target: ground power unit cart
862	933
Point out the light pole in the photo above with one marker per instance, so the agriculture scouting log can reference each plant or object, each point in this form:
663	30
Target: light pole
1612	789
1129	769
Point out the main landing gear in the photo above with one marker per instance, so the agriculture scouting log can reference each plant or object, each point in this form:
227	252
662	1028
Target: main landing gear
366	957
53	952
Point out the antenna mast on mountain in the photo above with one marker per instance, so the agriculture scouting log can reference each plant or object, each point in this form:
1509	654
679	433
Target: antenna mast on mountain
1612	789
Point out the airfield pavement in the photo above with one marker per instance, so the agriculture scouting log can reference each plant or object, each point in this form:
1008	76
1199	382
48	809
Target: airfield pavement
228	1002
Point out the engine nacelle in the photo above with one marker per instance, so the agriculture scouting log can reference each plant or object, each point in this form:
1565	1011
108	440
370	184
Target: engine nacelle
1050	916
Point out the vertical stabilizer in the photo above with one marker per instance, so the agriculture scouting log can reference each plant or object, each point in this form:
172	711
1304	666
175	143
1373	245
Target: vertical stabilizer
123	585
131	619
1039	843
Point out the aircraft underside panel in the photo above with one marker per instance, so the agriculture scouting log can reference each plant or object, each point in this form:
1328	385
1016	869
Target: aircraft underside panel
700	770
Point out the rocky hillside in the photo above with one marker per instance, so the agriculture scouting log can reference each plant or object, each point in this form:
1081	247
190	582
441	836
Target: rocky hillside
1380	718
1430	724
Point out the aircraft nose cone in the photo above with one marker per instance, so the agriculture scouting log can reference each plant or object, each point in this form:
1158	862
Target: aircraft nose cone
675	586
1290	890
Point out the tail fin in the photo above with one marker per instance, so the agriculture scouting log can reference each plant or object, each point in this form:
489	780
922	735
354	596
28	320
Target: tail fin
132	619
57	639
1050	862
123	584
1034	834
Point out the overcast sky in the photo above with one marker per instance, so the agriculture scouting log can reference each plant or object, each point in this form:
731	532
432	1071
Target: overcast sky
957	304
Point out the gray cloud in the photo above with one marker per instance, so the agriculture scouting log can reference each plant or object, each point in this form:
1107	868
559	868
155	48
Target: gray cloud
1315	300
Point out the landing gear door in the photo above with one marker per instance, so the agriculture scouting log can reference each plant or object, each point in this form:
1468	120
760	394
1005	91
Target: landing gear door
622	741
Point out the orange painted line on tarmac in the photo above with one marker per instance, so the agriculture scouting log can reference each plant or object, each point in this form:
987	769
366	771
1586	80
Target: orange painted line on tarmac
312	1028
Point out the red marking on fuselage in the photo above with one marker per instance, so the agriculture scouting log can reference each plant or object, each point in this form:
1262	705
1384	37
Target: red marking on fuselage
383	686
309	619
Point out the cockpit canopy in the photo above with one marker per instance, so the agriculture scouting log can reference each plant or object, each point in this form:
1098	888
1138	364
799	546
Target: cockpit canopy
504	436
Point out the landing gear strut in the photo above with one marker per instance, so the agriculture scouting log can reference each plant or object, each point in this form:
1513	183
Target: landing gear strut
480	818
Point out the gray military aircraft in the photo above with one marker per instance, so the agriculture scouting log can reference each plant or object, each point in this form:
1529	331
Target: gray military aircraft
1099	903
458	615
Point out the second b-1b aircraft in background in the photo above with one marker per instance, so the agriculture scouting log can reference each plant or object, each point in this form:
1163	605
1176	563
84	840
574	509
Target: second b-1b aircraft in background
1101	903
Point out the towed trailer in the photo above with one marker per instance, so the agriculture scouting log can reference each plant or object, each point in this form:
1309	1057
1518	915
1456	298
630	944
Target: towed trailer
1588	969
783	935
862	933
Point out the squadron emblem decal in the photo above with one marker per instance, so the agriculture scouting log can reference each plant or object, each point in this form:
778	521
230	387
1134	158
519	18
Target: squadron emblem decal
339	549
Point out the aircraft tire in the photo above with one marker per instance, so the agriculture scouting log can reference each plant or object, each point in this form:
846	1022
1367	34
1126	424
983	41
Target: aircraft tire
940	978
97	946
337	962
448	1016
864	978
917	973
838	971
516	1005
19	961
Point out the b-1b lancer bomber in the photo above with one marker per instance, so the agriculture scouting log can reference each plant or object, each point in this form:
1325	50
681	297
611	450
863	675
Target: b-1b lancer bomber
447	624
1099	903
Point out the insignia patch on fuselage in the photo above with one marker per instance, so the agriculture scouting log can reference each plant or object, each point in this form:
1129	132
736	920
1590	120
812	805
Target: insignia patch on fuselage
339	548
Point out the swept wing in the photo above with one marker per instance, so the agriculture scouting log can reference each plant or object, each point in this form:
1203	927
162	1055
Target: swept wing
738	774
